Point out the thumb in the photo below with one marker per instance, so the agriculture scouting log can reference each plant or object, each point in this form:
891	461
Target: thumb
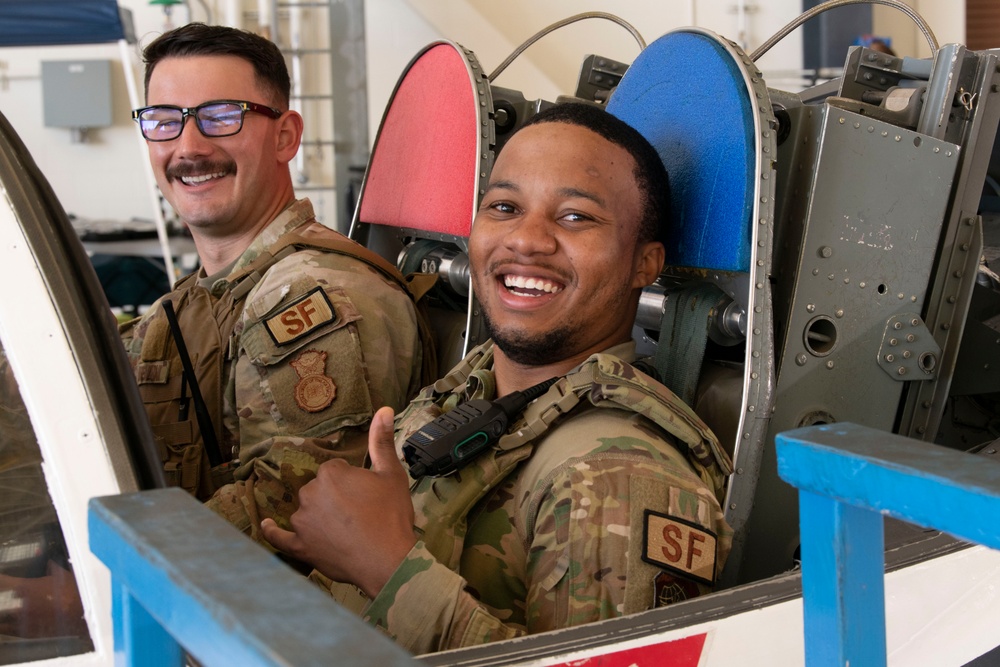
381	446
279	538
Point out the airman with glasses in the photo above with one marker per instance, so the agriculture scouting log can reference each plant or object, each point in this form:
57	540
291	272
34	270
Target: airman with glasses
292	340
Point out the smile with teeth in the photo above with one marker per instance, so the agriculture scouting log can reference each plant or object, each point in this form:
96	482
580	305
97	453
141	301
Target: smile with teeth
526	286
201	178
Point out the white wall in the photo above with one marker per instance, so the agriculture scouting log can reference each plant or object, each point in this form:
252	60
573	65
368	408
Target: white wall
105	177
566	48
101	178
946	20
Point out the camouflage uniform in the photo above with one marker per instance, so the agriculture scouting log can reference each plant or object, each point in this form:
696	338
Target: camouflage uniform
294	350
549	534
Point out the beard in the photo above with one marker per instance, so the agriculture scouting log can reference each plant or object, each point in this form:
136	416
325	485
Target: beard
528	350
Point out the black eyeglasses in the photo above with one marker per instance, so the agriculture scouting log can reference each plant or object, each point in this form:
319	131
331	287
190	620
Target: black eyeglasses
219	118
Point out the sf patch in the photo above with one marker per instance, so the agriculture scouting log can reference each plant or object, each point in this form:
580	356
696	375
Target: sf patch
679	546
301	317
314	391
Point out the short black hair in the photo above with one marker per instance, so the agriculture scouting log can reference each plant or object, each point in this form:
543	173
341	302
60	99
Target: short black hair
198	39
650	173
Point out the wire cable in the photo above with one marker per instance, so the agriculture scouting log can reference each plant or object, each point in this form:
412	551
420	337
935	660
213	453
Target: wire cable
832	4
560	24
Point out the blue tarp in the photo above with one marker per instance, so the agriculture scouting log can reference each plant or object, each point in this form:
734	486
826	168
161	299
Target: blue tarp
48	22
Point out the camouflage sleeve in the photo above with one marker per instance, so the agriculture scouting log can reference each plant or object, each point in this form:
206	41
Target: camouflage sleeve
268	485
586	551
425	607
322	343
557	547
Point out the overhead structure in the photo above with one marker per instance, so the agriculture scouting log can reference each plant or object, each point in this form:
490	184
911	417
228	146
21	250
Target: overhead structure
52	22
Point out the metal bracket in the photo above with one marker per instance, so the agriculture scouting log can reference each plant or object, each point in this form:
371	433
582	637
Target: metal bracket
908	350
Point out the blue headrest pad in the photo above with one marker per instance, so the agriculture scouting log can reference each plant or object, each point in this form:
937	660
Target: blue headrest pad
686	94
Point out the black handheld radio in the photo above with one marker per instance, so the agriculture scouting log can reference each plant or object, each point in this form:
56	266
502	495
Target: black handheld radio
456	437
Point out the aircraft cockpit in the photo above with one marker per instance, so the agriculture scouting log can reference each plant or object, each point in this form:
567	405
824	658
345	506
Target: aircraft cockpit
828	241
835	261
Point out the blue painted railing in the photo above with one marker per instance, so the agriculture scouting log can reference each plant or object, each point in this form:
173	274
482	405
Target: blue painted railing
184	580
848	477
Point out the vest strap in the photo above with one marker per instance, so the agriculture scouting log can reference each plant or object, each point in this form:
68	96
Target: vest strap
253	272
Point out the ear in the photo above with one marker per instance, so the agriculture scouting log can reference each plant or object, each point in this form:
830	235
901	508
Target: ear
648	264
289	135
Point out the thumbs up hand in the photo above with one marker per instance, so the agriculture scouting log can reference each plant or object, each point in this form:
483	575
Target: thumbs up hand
353	525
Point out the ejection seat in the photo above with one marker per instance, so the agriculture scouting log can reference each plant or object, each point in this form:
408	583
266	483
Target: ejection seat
707	322
432	156
704	106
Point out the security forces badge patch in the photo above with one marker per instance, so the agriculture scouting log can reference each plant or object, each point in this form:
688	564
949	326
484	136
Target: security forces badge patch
315	390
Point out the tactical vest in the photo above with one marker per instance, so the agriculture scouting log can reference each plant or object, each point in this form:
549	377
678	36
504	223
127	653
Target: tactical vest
207	324
603	381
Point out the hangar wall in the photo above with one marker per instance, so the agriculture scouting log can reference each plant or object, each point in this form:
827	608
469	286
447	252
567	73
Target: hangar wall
103	178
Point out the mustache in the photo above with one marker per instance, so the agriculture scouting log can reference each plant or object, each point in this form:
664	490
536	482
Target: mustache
199	167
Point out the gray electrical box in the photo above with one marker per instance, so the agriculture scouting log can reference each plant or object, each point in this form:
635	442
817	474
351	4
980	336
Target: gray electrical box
76	93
